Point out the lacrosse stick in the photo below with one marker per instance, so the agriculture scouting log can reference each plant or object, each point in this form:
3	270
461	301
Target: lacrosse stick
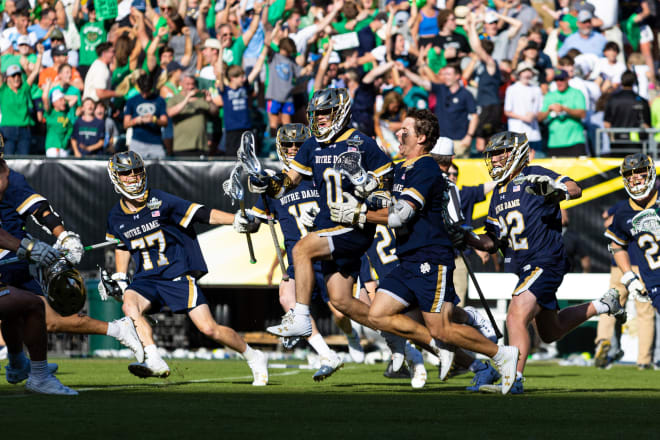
647	221
100	245
248	159
348	164
233	188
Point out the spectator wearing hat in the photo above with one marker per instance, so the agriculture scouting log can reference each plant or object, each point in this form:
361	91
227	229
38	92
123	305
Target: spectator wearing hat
210	55
625	108
563	110
59	123
97	84
525	14
455	107
501	37
586	40
88	137
25	57
60	56
15	106
522	103
92	33
489	79
232	49
21	20
529	52
44	27
146	113
57	39
189	111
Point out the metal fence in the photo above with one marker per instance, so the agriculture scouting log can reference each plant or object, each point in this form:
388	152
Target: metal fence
639	139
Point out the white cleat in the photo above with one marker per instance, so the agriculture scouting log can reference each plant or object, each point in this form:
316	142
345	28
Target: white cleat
481	323
259	367
416	360
3	353
329	365
397	346
50	385
149	368
508	366
446	361
292	325
128	337
355	349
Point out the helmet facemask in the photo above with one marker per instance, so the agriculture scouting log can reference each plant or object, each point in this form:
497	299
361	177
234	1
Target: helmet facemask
635	164
335	106
516	144
128	175
290	137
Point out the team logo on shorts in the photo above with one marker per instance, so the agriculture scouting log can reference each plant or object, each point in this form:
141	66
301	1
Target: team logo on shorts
154	203
425	268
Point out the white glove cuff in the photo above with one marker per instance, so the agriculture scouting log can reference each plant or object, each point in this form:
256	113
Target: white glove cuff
628	278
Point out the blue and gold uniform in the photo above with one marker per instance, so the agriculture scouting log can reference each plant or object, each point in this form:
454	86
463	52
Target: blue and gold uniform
313	159
643	247
287	210
164	248
381	257
531	229
424	275
18	201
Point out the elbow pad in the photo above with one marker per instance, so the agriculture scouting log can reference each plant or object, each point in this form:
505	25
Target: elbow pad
399	214
46	217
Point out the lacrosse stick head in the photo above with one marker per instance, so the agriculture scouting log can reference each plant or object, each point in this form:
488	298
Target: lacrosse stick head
647	221
507	141
638	172
348	164
288	141
232	186
247	155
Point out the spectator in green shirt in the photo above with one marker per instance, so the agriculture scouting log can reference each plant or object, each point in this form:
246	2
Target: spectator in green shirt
59	123
92	34
15	106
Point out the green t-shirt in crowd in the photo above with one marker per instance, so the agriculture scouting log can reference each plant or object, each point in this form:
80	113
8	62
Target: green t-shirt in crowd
91	35
436	60
70	91
416	97
563	130
276	11
234	55
15	106
59	126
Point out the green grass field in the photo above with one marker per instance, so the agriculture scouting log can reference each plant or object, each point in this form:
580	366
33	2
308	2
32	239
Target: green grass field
214	399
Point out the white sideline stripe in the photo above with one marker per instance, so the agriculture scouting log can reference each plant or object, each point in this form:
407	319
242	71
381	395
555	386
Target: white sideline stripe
156	385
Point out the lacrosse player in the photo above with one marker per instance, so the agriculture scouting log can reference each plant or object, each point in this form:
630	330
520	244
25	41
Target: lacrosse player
338	246
20	201
24	320
524	220
635	230
296	211
155	230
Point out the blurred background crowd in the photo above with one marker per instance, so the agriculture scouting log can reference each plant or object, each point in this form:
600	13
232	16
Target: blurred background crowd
170	78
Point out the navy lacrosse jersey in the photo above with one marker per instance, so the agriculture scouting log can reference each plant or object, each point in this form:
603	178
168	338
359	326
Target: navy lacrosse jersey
287	210
423	237
643	247
381	254
318	161
18	201
531	226
159	236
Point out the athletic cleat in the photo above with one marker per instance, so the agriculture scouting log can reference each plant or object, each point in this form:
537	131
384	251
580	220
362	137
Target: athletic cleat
329	365
355	348
482	324
517	388
446	361
259	367
403	373
486	376
50	385
397	346
416	362
292	325
3	353
611	300
52	368
289	342
128	337
144	370
612	359
19	374
508	366
642	367
602	349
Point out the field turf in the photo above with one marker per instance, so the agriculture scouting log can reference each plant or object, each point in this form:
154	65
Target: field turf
214	399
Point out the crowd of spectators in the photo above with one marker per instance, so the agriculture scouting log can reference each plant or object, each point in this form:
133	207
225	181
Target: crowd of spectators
186	77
